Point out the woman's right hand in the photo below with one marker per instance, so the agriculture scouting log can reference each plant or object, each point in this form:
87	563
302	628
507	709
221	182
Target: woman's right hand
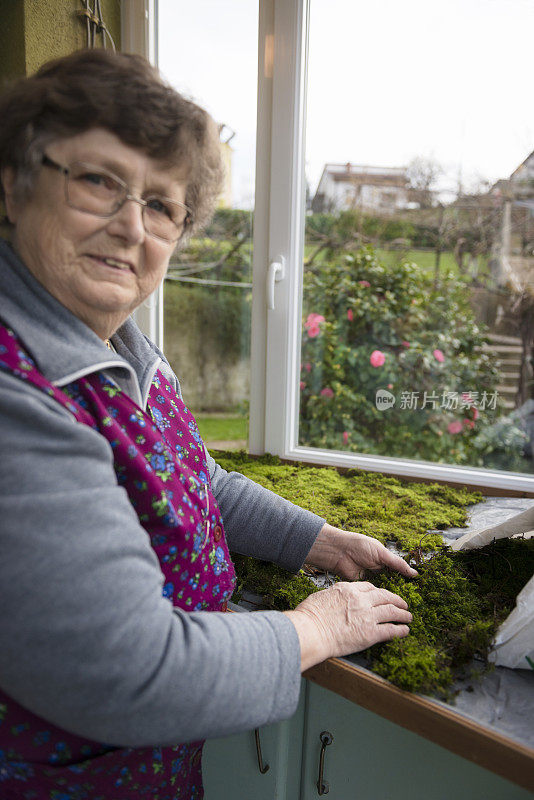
347	618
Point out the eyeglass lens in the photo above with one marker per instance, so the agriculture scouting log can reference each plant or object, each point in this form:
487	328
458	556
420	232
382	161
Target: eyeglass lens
97	192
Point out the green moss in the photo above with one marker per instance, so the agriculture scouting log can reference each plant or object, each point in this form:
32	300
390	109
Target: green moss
378	505
457	603
459	599
278	588
413	665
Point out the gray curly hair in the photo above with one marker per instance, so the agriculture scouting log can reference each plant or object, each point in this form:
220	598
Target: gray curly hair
124	94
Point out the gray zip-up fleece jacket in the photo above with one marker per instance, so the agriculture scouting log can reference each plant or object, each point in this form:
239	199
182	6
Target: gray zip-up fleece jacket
86	639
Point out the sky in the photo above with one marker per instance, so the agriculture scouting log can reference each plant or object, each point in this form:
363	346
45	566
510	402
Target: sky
387	82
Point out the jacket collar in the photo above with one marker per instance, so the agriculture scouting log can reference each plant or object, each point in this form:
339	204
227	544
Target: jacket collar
63	347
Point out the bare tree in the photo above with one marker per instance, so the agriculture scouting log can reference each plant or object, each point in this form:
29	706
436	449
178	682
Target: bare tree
422	175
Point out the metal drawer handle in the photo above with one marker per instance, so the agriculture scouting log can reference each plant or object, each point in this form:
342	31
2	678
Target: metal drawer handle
323	787
263	768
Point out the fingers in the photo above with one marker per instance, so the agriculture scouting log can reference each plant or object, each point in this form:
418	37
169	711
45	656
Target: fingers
389	631
392	613
347	618
399	564
384	596
404	568
380	596
362	586
357	552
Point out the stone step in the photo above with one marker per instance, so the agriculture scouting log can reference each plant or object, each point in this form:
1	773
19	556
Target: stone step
504	403
508	367
502	348
503	389
510	383
506	355
510	364
497	338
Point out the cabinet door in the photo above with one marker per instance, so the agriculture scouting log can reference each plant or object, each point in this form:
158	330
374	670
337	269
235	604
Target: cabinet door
371	758
230	764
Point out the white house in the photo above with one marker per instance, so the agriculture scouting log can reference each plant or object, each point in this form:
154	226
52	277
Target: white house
513	257
520	184
522	178
346	186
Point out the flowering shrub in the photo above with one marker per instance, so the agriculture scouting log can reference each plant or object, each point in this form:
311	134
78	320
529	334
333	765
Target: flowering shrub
369	328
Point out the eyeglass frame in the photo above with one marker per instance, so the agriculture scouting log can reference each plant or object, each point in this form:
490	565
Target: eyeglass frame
66	171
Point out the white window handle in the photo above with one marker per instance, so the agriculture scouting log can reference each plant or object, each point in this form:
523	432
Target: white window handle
277	272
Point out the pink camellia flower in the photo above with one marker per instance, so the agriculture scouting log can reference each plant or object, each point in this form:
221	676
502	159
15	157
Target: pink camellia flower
405	344
350	314
474	411
469	423
455	427
302	385
307	366
312	323
365	284
438	355
390	386
345	437
377	358
327	392
313	319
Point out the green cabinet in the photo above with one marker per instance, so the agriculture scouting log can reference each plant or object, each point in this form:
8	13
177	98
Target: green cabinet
231	766
369	758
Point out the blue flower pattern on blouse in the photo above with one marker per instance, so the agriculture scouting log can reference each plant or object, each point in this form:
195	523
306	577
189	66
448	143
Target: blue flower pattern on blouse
160	460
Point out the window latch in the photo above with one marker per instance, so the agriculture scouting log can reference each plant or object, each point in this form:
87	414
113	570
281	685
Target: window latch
276	273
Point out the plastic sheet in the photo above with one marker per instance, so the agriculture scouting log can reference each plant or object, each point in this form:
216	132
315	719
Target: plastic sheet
503	700
513	645
514	642
522	523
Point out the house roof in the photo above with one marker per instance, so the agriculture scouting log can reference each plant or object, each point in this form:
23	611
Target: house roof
517	173
365	174
519	184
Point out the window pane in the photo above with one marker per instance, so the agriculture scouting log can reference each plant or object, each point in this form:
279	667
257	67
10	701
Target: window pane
418	304
208	51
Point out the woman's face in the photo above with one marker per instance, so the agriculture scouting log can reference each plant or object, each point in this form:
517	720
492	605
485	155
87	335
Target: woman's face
100	269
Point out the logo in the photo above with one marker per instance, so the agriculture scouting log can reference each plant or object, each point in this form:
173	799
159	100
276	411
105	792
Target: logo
384	400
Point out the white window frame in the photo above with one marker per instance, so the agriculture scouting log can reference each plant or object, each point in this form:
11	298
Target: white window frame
139	34
278	239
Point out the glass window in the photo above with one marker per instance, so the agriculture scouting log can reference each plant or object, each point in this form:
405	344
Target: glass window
418	261
208	51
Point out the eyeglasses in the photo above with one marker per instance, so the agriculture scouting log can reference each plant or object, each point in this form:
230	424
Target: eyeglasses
94	191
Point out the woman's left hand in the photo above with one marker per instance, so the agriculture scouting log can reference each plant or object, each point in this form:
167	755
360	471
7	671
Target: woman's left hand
349	554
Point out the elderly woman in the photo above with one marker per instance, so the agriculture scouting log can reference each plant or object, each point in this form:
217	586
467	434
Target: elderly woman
114	661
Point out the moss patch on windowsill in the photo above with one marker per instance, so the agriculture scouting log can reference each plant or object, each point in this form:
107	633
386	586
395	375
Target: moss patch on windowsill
458	600
368	502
